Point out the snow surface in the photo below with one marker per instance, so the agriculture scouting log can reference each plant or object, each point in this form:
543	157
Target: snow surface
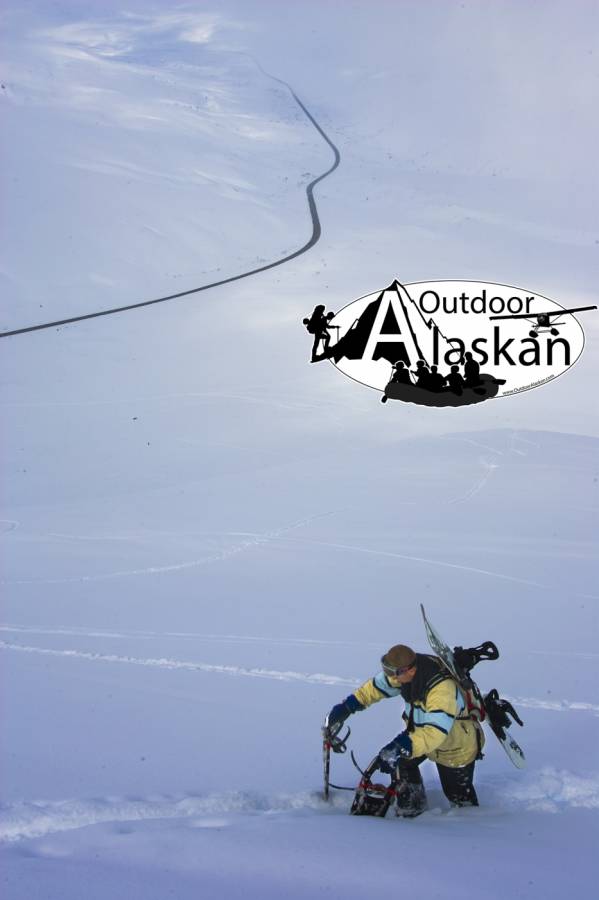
207	541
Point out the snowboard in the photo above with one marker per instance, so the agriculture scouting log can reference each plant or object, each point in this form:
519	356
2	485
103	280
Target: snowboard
495	711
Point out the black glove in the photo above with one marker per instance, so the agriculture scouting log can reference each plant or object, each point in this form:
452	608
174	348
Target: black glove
341	712
337	716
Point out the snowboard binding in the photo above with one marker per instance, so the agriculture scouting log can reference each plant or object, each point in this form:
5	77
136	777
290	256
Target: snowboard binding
499	712
468	658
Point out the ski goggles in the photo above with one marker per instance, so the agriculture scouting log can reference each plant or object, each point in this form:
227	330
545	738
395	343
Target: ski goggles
394	671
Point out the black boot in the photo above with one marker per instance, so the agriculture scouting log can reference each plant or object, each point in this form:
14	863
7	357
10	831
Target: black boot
463	795
411	800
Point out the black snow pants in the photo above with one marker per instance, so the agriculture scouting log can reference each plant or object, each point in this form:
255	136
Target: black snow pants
456	783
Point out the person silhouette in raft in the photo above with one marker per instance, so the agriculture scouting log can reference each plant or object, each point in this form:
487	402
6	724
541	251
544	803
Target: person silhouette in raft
455	382
400	375
436	381
471	371
422	374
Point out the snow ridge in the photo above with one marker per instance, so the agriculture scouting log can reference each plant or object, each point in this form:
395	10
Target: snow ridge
272	674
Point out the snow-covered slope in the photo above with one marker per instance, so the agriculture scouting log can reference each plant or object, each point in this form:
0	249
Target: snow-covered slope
208	542
139	137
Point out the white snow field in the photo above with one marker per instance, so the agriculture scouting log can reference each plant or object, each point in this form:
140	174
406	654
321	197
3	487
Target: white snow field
207	542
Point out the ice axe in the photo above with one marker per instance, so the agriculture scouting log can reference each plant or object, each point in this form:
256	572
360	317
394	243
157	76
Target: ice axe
332	740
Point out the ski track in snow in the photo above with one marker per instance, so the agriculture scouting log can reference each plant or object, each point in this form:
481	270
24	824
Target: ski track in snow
352	548
548	791
219	638
555	705
232	638
268	537
488	470
465	440
489	467
271	674
251	542
164	663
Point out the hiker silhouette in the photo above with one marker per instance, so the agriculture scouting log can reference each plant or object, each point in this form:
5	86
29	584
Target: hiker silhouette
318	325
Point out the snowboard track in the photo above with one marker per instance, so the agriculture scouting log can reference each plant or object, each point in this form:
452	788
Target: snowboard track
314	238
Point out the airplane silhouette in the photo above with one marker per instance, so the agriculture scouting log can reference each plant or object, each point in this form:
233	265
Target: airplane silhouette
542	321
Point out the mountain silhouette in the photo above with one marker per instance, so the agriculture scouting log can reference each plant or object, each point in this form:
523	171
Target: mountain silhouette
403	319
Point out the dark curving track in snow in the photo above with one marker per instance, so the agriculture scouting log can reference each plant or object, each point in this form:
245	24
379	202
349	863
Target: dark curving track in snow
316	232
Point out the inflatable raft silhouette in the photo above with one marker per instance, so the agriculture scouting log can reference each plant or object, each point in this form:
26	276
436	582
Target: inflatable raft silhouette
412	393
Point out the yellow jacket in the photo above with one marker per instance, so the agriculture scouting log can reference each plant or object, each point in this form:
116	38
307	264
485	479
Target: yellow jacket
436	716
